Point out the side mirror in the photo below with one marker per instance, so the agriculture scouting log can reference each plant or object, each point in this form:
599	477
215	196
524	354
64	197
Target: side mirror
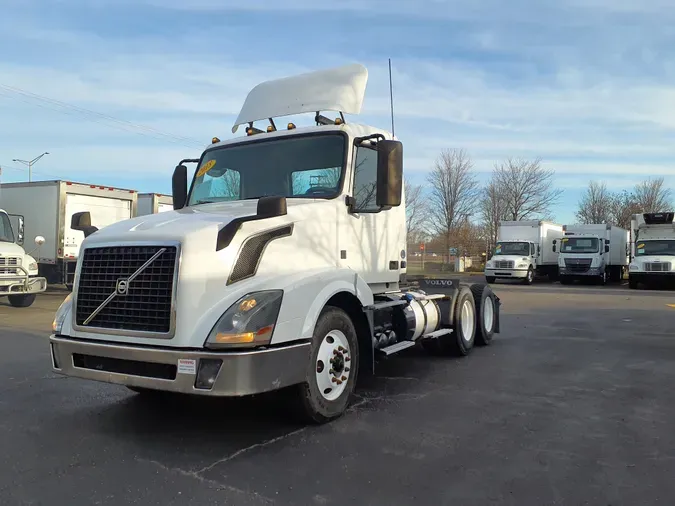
606	248
20	232
39	241
179	187
554	245
389	173
82	221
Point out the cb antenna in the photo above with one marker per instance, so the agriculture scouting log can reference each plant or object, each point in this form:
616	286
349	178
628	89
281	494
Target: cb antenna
391	99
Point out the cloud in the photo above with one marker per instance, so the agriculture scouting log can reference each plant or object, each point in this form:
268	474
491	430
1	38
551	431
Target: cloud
555	80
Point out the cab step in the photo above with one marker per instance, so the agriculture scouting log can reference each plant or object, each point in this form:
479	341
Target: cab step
395	348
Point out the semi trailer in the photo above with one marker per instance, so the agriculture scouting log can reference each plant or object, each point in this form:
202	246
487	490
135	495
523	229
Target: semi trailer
653	249
524	250
153	203
593	251
47	208
282	265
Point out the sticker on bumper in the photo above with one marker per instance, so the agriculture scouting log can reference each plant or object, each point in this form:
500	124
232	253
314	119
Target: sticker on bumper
187	366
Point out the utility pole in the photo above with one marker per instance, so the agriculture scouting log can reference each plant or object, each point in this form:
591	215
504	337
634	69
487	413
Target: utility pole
30	164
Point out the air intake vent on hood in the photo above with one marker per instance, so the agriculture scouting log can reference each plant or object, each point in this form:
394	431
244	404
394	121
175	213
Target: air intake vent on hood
252	251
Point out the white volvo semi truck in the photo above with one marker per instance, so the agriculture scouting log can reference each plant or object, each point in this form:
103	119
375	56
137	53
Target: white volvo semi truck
282	265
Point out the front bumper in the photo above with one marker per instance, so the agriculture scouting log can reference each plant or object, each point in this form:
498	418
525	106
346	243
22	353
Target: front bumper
592	272
506	273
174	370
22	285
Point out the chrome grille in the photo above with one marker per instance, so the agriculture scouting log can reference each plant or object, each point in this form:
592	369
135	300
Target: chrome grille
578	264
504	264
657	266
147	304
7	262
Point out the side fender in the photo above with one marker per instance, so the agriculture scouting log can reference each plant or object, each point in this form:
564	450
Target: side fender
306	297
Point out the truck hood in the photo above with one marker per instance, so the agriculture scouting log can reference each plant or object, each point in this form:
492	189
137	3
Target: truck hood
10	249
181	224
512	258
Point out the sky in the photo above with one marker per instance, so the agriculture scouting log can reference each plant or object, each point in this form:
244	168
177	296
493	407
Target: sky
118	91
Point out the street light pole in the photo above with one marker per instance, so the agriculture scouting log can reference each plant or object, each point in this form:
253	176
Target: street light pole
30	164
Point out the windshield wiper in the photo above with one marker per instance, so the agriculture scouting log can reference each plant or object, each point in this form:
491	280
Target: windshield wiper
205	202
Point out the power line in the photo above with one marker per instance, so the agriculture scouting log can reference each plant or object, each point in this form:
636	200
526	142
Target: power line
63	107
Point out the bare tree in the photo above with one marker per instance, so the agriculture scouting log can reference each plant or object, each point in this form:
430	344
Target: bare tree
492	211
415	209
527	188
596	204
453	192
651	196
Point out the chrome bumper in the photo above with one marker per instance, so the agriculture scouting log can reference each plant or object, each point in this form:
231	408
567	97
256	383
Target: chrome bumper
240	373
506	273
22	284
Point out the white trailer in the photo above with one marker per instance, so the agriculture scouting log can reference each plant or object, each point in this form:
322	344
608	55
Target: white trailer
653	249
19	279
47	208
290	265
153	203
524	249
597	250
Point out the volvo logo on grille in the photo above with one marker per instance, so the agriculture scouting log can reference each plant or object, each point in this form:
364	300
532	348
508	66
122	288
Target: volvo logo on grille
122	287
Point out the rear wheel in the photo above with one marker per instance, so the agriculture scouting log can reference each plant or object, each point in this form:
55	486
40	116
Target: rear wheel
332	369
460	342
486	313
23	300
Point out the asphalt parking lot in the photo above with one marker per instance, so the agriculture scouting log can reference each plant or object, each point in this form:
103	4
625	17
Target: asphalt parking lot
572	404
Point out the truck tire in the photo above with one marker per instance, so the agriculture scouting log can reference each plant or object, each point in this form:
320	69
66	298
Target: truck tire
565	280
529	279
332	369
24	300
486	304
632	283
602	279
460	342
490	279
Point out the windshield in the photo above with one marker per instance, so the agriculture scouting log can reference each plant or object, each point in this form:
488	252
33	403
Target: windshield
292	167
6	233
513	248
579	245
664	247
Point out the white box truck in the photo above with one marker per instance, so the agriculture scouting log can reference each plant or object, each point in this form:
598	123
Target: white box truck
153	203
653	257
19	279
524	250
282	265
48	207
589	251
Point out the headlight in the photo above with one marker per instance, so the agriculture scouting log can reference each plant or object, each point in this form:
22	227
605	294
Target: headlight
521	266
633	267
33	266
61	314
248	322
488	265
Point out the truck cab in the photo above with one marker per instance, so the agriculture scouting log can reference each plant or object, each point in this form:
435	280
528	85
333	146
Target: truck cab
582	255
19	280
513	259
653	246
282	264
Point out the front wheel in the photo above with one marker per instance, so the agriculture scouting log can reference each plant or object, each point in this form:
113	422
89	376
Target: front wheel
24	300
603	279
332	369
529	279
632	283
490	279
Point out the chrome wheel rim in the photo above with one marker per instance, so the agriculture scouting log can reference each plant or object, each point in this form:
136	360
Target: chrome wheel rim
468	320
332	366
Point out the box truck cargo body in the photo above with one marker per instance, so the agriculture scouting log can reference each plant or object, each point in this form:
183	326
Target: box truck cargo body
153	203
524	249
597	250
47	208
